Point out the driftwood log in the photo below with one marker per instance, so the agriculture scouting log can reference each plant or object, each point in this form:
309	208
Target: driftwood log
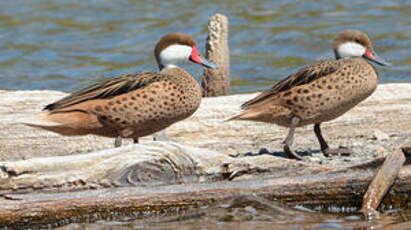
45	179
387	110
337	190
217	82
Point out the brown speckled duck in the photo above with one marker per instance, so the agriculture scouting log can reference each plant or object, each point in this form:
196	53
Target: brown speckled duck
319	92
136	104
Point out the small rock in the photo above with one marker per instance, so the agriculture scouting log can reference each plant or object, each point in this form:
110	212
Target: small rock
380	135
251	210
315	159
379	151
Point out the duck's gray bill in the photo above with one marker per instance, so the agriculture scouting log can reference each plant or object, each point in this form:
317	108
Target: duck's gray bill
209	64
377	59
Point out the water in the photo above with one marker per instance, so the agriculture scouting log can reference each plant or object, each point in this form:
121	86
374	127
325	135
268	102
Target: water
252	213
63	45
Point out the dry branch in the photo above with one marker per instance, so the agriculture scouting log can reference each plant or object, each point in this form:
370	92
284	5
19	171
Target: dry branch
385	177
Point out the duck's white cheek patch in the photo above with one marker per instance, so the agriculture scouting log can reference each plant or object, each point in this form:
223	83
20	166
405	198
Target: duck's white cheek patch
351	49
174	54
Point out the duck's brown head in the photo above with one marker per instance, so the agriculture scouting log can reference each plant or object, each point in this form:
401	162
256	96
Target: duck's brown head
354	43
176	48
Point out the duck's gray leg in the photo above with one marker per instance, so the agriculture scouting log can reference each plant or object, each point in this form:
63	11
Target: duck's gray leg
117	142
290	138
324	146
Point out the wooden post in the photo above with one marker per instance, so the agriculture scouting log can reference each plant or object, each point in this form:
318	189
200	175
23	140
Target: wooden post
217	82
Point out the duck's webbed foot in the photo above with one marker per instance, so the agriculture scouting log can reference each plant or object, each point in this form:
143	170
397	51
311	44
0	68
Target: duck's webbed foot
291	153
327	151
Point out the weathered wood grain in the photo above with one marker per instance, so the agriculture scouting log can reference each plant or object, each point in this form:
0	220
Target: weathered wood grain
388	109
336	189
384	179
216	82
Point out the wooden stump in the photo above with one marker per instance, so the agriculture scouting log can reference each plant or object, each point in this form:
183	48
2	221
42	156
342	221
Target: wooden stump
216	82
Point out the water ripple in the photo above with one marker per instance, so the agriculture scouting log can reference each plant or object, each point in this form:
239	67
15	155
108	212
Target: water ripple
66	44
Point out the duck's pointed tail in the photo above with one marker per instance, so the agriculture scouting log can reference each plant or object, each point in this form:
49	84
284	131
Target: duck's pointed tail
38	120
66	123
248	114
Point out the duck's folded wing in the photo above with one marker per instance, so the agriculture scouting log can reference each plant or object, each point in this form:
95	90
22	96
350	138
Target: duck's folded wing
303	76
107	89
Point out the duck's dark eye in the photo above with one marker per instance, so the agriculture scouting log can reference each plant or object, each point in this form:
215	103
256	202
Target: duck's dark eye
357	41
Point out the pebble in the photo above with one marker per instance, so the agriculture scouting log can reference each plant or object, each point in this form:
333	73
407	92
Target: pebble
251	210
379	150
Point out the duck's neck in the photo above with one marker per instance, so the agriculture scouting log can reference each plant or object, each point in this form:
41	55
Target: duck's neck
169	66
337	56
173	70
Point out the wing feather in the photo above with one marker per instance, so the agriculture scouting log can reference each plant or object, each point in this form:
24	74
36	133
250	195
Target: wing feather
305	75
107	89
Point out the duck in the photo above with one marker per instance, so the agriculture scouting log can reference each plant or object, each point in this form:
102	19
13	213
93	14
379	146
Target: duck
319	92
132	105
